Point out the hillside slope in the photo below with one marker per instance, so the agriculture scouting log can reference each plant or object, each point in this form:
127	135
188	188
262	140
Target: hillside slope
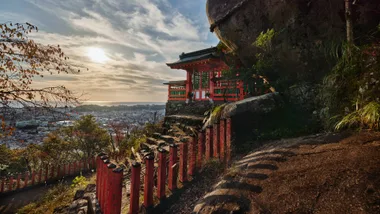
315	174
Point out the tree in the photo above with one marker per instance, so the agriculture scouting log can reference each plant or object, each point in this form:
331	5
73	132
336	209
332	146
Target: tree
87	137
57	149
22	60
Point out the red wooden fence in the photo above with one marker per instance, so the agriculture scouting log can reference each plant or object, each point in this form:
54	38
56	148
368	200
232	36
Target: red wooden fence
27	179
109	179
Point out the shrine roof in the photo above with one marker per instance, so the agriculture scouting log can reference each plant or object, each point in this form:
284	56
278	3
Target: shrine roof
178	82
207	53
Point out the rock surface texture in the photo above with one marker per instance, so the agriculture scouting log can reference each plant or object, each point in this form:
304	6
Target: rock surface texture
305	27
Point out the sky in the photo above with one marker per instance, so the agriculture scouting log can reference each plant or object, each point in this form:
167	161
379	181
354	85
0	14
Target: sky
124	43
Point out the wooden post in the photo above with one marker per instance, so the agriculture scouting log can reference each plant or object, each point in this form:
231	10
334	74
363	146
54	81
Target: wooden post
103	185
161	180
117	187
75	168
208	143
200	149
101	180
228	140
46	172
10	187
183	162
216	140
26	179
40	176
2	185
98	174
52	172
135	188
33	178
173	166
193	156
149	182
18	181
109	188
59	171
222	139
69	171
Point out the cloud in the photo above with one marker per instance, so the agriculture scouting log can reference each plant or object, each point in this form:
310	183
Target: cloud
138	37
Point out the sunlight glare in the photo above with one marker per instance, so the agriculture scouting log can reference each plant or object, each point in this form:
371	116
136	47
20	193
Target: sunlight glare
97	55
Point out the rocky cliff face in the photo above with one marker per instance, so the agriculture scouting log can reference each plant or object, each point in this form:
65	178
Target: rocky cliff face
306	28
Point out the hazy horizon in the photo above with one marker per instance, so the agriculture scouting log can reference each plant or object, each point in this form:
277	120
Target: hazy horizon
124	44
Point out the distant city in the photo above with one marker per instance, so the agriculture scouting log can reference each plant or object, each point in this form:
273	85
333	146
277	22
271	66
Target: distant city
33	125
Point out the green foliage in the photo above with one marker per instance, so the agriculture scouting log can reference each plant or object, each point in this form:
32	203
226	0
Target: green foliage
366	117
264	40
349	92
79	181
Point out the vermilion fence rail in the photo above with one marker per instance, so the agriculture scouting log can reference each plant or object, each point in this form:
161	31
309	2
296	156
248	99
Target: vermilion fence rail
185	160
49	173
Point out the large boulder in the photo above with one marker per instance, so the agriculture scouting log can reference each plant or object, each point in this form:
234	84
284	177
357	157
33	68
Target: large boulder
308	30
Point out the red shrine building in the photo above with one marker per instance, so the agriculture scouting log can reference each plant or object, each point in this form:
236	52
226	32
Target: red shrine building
204	79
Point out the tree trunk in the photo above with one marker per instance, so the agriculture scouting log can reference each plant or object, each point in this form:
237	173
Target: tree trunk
349	27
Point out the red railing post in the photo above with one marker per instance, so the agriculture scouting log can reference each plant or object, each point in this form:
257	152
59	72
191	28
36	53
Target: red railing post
228	140
149	181
46	172
109	190
10	187
33	178
2	185
18	181
74	168
101	175
193	155
98	173
215	140
183	162
69	171
59	171
222	139
116	194
135	188
161	178
103	185
40	175
200	149
52	172
26	179
173	166
208	143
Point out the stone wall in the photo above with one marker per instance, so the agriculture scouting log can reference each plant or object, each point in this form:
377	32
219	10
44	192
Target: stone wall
197	108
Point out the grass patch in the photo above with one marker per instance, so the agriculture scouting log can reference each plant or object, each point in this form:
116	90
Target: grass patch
60	195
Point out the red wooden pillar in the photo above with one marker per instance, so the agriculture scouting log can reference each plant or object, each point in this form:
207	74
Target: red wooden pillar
74	168
33	178
109	190
46	172
189	82
200	149
52	172
117	187
211	83
183	162
40	175
134	206
215	140
10	187
228	140
161	180
149	182
59	171
101	180
173	172
222	139
103	186
208	143
241	90
193	156
2	185
98	173
26	179
18	181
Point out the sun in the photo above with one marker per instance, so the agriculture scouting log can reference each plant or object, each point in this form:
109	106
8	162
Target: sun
97	55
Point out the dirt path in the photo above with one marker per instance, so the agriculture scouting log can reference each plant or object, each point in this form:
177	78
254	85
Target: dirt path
11	203
315	174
